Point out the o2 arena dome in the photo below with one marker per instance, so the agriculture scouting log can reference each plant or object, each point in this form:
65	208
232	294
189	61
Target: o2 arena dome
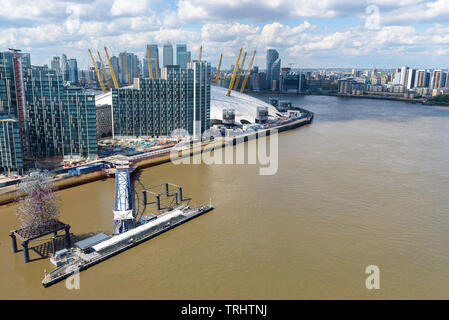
245	106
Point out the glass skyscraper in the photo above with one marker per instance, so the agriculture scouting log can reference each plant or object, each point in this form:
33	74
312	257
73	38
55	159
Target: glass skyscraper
154	55
168	54
73	70
132	64
182	55
272	57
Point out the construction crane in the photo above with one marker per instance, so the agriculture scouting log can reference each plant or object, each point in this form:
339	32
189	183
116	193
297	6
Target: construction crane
218	70
104	71
248	72
97	72
240	72
201	52
114	79
233	73
126	68
150	69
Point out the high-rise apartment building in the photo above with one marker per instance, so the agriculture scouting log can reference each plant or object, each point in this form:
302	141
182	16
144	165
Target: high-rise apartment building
168	54
179	99
8	85
422	79
73	70
272	57
438	79
132	65
56	64
201	97
275	73
65	68
115	64
403	76
182	55
61	121
45	117
146	73
411	74
11	158
154	56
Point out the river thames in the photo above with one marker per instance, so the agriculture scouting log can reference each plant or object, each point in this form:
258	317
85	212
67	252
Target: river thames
366	184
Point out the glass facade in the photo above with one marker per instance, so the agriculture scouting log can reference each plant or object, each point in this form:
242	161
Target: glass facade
73	71
156	107
57	121
10	145
61	121
182	56
11	153
201	73
8	96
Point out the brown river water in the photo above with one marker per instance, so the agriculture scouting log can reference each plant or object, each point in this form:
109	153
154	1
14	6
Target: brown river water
366	183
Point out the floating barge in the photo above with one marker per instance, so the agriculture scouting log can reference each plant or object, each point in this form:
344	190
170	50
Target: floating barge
82	259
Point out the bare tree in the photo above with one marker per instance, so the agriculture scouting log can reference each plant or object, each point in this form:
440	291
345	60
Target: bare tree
37	201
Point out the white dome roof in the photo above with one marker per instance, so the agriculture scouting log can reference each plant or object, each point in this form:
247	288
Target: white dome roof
245	106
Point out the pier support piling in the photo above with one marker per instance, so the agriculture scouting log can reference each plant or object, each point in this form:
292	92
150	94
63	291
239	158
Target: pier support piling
176	198
13	242
180	193
144	197
53	245
166	189
68	242
158	202
26	254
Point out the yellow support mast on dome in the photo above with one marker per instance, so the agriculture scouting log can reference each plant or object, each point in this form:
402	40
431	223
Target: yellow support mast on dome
231	84
248	72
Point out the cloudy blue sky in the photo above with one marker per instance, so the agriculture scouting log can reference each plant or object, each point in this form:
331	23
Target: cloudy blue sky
307	33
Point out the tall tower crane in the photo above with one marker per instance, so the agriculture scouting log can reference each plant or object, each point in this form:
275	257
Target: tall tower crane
97	72
104	71
114	79
240	72
248	72
218	70
233	73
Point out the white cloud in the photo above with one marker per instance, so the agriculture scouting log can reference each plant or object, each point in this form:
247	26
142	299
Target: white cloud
276	34
225	32
133	8
51	27
392	11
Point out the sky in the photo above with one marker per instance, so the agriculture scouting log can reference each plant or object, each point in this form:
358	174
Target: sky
307	33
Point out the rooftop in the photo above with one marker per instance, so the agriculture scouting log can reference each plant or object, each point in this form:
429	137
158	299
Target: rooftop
91	241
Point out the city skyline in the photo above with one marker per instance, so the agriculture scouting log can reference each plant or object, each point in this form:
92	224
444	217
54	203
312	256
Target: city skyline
343	34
